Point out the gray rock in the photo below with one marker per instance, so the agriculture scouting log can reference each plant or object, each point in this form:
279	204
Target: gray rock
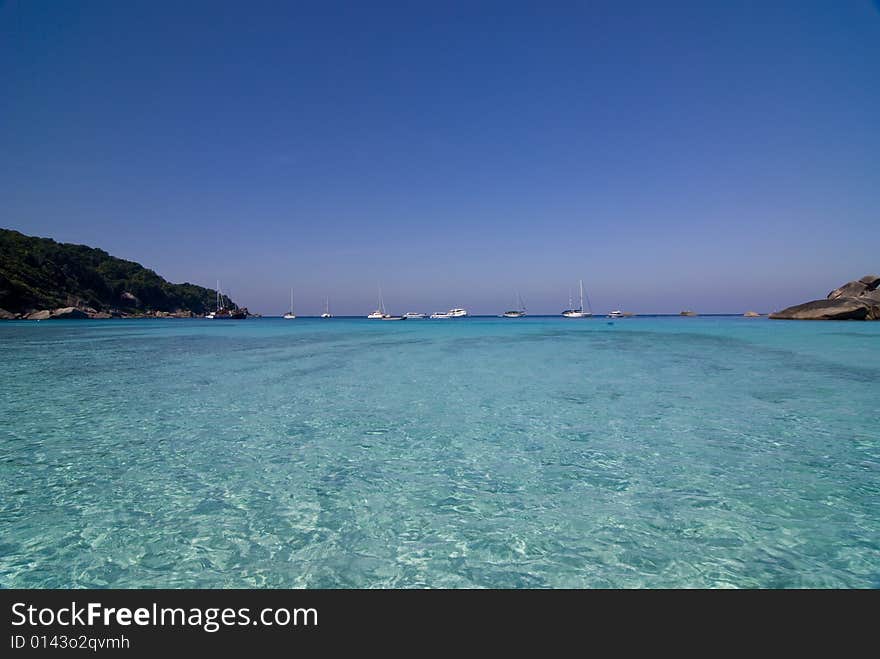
7	315
100	315
871	281
68	313
851	289
39	315
872	299
835	309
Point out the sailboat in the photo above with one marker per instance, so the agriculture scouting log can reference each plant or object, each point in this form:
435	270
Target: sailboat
290	315
326	313
225	313
213	314
380	313
579	312
520	310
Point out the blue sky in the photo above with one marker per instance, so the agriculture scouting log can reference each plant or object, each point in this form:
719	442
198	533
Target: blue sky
705	155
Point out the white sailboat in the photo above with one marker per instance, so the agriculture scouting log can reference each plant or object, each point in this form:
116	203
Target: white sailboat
213	314
579	312
326	313
290	315
520	310
380	313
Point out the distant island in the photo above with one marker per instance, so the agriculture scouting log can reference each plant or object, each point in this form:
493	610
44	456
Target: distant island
41	279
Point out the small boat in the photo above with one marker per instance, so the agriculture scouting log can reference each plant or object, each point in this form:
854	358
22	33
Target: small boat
414	315
228	314
579	312
326	313
213	314
520	310
290	315
452	313
617	313
688	312
225	313
381	314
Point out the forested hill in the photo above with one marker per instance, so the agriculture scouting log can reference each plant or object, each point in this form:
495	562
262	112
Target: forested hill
39	273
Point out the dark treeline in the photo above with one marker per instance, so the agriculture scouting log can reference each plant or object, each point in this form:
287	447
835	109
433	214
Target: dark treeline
39	273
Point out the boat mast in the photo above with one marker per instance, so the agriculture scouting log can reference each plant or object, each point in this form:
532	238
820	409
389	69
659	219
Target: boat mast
589	306
219	295
291	301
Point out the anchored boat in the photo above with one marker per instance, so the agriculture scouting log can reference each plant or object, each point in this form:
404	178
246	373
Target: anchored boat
380	313
452	313
579	312
290	315
225	313
520	310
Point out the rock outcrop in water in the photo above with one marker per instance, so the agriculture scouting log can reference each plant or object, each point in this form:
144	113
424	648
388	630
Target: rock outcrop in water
68	313
855	300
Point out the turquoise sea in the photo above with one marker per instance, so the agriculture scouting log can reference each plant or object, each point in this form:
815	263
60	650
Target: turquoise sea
542	452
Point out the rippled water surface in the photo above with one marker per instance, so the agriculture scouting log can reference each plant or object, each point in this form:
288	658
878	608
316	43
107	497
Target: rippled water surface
541	452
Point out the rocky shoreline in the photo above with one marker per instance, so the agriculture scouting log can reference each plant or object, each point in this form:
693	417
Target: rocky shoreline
855	300
88	313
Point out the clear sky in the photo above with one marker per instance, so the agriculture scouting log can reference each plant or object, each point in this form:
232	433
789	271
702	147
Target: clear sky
719	156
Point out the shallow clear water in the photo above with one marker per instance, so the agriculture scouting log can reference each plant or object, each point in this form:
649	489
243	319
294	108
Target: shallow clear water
542	452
